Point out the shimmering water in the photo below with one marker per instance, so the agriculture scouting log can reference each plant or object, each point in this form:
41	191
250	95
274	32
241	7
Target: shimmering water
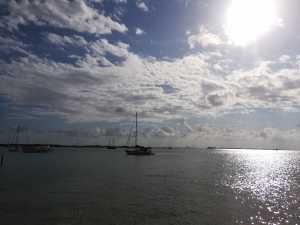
173	187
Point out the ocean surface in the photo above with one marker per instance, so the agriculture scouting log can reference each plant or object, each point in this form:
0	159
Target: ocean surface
197	187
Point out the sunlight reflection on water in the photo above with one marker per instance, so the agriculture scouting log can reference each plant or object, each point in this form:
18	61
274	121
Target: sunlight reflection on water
268	177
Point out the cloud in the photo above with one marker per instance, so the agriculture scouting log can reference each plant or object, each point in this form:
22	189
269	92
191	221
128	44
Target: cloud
65	90
11	44
99	88
66	40
96	50
120	1
75	15
142	5
284	58
109	73
167	88
102	46
268	85
266	137
216	100
161	132
102	79
139	31
204	38
96	1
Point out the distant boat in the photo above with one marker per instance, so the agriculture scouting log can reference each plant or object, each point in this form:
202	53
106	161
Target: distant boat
111	143
14	146
139	150
36	148
211	148
26	148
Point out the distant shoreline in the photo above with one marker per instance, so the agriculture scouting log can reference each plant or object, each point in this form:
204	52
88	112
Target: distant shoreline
128	147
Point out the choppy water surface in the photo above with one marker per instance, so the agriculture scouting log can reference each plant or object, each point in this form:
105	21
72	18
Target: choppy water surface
173	187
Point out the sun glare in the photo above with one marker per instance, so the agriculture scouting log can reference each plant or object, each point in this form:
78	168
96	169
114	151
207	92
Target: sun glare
249	20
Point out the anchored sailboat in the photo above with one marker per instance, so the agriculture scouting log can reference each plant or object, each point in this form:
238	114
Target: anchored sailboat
138	149
16	146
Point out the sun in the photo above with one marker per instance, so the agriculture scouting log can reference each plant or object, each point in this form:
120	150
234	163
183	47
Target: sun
248	20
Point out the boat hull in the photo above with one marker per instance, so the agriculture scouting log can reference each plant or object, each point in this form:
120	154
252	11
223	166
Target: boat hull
15	148
36	149
140	152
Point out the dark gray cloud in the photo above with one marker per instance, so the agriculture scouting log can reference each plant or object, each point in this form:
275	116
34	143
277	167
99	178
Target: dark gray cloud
216	100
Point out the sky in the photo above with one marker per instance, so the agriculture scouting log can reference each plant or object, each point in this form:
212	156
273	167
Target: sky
199	72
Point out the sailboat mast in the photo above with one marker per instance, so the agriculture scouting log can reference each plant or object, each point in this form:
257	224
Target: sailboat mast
136	129
17	135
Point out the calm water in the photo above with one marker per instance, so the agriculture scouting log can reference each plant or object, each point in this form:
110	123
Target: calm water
173	187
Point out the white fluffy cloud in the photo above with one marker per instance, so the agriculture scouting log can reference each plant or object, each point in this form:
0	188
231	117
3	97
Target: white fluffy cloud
269	85
204	38
66	40
111	82
139	31
163	88
142	5
76	15
102	46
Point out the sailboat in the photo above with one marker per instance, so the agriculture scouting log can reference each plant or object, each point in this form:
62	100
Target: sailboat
138	150
14	146
36	148
111	145
26	148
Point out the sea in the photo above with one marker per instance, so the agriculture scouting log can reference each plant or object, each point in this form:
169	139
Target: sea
178	186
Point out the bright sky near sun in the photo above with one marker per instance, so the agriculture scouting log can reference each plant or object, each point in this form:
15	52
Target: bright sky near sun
209	72
249	20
